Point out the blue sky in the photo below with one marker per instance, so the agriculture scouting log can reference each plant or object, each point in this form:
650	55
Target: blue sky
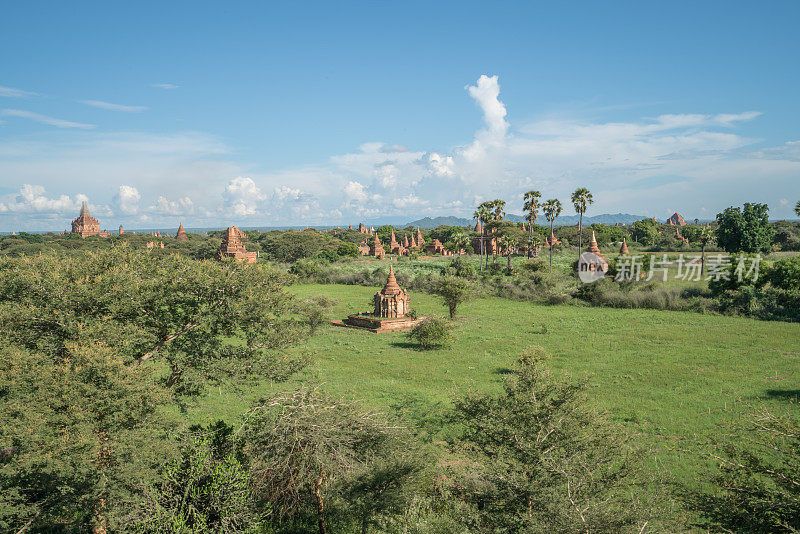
327	113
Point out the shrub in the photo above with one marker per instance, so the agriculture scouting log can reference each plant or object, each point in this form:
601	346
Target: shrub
460	267
347	250
535	265
431	333
784	274
452	290
305	269
328	256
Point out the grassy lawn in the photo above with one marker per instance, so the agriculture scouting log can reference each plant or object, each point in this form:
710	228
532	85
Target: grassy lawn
670	377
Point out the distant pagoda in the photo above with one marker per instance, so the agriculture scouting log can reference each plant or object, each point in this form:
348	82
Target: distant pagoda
85	225
181	235
232	246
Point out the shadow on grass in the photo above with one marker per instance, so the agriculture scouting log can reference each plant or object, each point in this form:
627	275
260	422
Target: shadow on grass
502	371
783	394
415	346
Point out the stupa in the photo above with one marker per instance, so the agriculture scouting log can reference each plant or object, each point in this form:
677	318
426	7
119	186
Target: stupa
390	313
181	235
376	248
624	248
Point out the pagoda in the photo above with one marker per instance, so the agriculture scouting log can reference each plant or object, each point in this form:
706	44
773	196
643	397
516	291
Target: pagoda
232	246
624	248
181	235
376	248
390	313
86	225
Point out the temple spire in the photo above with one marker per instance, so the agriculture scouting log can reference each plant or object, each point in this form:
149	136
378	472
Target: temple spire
84	209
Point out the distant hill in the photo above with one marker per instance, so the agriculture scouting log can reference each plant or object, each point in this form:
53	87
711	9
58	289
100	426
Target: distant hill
564	220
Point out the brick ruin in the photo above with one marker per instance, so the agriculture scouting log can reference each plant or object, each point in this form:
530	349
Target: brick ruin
624	248
676	220
85	225
232	246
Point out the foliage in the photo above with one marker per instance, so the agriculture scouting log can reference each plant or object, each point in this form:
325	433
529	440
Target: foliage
460	267
306	448
645	231
204	489
292	245
177	313
745	230
787	235
431	333
758	479
783	274
347	250
453	290
543	459
81	434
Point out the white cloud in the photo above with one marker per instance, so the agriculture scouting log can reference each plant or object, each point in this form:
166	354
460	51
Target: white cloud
32	199
354	191
164	86
127	199
486	94
242	196
44	119
15	93
114	107
164	206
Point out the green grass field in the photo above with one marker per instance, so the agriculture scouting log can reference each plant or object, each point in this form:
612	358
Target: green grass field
671	378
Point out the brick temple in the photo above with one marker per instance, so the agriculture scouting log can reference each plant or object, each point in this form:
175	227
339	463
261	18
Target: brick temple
85	225
390	313
233	247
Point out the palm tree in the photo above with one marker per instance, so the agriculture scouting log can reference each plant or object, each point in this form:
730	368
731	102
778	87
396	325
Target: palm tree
581	199
552	209
498	208
531	209
705	236
458	240
797	207
483	214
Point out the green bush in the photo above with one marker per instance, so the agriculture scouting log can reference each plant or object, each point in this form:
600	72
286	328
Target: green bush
306	269
535	265
327	255
431	333
784	274
347	250
460	267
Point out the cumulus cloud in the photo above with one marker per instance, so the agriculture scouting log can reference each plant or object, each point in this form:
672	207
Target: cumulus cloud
354	191
114	107
486	94
181	206
127	200
32	199
242	196
44	119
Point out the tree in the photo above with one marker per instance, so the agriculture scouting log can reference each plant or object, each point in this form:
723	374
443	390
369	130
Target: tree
552	209
745	230
511	237
531	209
453	290
546	461
498	212
757	485
459	240
581	199
483	214
797	208
80	433
303	444
705	236
645	231
167	310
